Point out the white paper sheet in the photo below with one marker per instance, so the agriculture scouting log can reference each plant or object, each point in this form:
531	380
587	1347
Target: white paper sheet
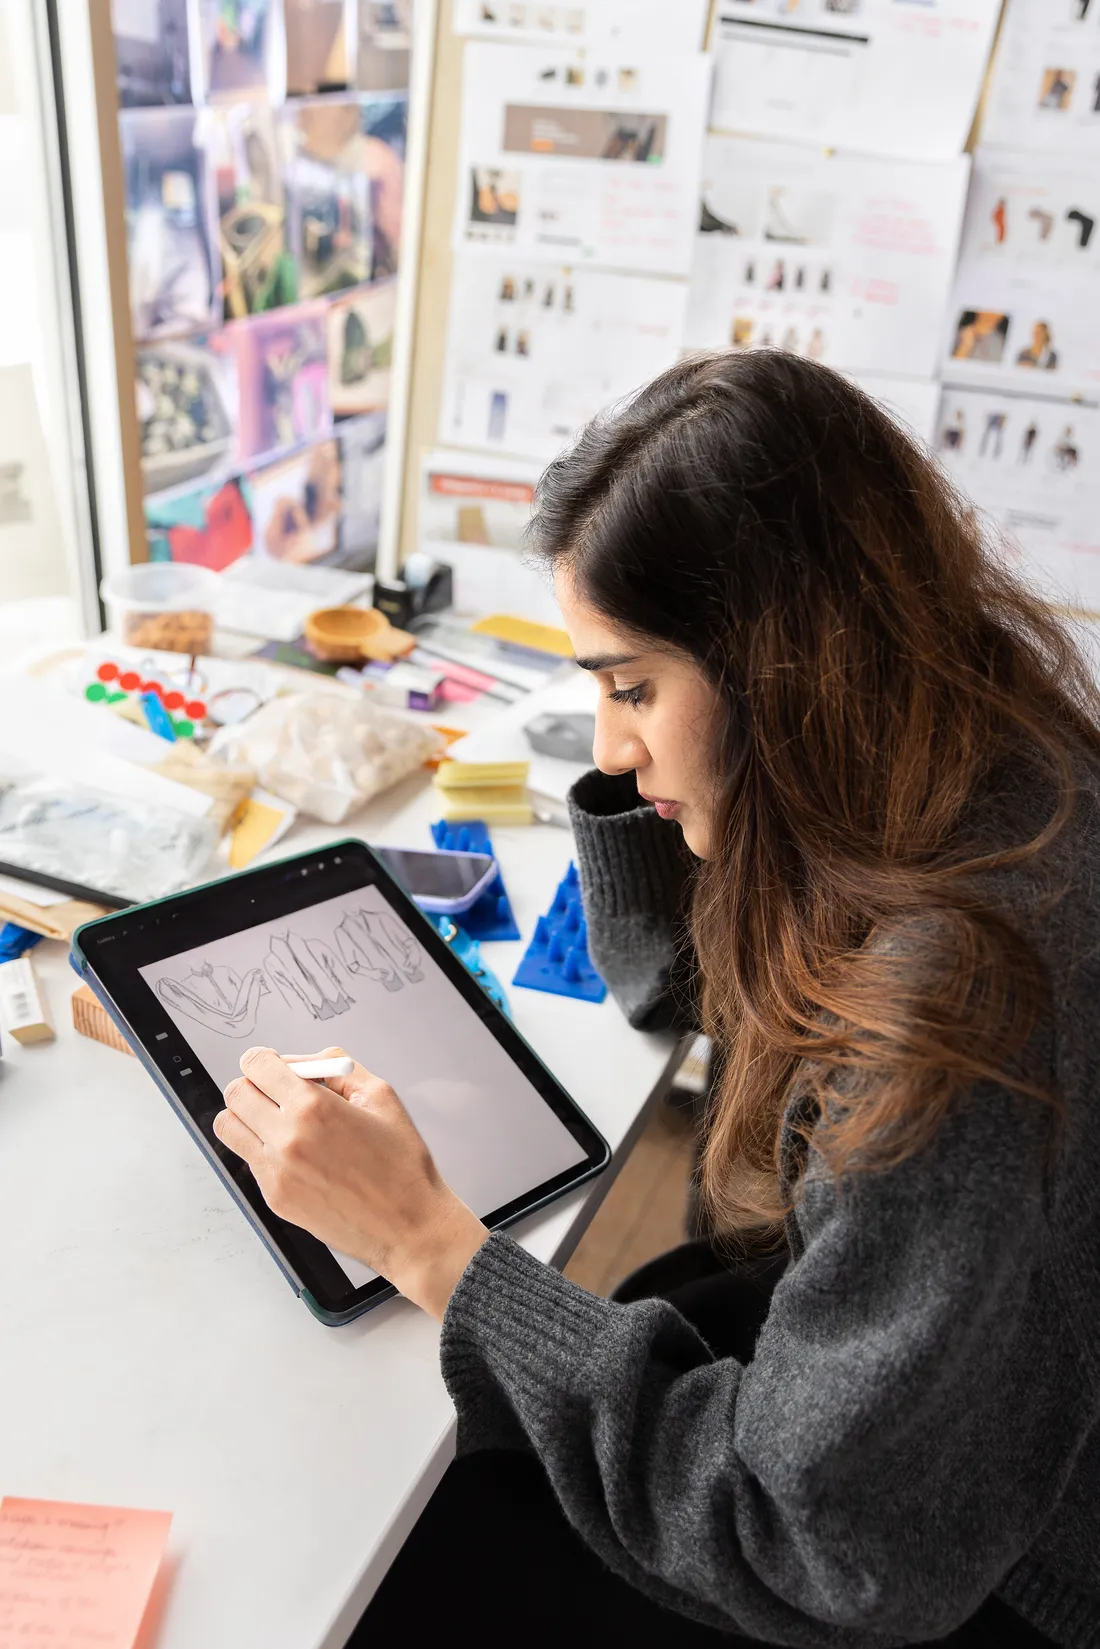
844	258
677	27
32	554
1033	465
1024	312
473	512
584	156
1045	88
534	351
889	77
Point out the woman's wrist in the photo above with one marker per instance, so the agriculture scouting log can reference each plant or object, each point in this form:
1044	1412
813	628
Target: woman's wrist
427	1272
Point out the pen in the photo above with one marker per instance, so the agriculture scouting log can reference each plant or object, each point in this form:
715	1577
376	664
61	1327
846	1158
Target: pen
316	1070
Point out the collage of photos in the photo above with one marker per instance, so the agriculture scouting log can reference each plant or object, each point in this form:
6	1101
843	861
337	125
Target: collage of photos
581	155
844	259
645	23
1028	267
1045	93
264	230
1033	466
542	348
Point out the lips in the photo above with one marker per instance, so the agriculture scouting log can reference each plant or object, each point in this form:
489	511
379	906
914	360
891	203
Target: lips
665	808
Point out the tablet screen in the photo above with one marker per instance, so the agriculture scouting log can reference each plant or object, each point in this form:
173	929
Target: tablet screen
350	971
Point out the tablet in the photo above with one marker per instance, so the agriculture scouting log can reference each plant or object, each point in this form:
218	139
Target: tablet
326	949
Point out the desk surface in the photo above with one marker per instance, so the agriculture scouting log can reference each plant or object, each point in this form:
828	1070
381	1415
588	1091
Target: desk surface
153	1355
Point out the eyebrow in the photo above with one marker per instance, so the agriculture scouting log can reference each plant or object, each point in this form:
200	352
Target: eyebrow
607	661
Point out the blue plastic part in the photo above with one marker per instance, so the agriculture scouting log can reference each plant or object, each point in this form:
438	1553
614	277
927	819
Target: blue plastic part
160	722
14	941
557	958
491	918
469	954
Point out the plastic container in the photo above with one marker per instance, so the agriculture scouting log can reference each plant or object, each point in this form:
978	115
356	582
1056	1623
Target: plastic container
162	606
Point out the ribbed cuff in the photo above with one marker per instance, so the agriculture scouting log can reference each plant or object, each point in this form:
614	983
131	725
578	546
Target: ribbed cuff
631	861
514	1317
1061	1612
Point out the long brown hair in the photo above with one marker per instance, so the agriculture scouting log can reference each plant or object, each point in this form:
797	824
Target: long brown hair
883	680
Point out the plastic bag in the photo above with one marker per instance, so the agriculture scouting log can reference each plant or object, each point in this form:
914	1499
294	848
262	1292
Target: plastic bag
130	849
326	753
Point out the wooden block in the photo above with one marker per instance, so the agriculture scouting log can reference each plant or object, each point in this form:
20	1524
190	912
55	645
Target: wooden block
91	1018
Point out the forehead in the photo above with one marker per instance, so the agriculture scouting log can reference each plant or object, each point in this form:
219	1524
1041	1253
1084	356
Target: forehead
589	630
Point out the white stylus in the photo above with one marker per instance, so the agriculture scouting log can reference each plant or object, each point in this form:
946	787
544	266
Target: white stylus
316	1070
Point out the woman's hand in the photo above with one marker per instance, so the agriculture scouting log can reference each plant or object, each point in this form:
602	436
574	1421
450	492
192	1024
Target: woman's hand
345	1162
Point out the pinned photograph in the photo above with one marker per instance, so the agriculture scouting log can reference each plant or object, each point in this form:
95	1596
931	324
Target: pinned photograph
282	364
384	121
1056	89
360	350
258	271
328	195
186	394
1040	352
209	526
383	45
362	465
980	335
494	197
236	40
152	53
296	505
317	54
169	234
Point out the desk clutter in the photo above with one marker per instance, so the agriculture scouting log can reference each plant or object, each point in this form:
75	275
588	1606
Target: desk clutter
133	773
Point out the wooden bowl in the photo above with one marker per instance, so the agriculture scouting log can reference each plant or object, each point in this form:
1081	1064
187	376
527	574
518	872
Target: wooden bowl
347	635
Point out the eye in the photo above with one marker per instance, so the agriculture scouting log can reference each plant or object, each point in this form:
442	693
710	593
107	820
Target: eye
629	695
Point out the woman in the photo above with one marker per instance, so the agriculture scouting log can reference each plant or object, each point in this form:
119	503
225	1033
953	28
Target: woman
885	756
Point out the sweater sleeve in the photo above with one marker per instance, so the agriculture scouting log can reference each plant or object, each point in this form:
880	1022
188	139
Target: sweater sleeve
635	876
890	1453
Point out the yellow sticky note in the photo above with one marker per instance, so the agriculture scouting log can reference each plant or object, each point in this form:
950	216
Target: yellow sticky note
75	1575
461	775
500	804
544	638
257	825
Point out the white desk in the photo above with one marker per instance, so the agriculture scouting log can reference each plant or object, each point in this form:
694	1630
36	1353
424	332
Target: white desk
152	1355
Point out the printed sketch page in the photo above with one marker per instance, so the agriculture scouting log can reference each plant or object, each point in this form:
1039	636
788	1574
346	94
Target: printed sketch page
1045	89
1033	465
1024	309
582	157
534	351
889	77
677	27
843	258
349	972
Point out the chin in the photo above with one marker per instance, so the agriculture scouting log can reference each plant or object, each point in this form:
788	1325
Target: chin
696	839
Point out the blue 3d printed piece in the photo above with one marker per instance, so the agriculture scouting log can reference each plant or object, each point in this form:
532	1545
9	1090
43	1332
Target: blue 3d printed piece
557	958
492	917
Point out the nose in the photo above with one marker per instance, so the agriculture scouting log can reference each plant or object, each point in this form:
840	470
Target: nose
615	749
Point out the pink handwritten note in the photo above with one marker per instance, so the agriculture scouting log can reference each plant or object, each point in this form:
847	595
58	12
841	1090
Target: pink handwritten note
76	1577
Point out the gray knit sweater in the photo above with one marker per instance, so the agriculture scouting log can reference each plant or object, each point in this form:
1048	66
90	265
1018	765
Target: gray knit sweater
920	1424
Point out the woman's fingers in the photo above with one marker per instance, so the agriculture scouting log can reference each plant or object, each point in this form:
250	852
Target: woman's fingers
358	1087
256	1110
238	1137
271	1074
